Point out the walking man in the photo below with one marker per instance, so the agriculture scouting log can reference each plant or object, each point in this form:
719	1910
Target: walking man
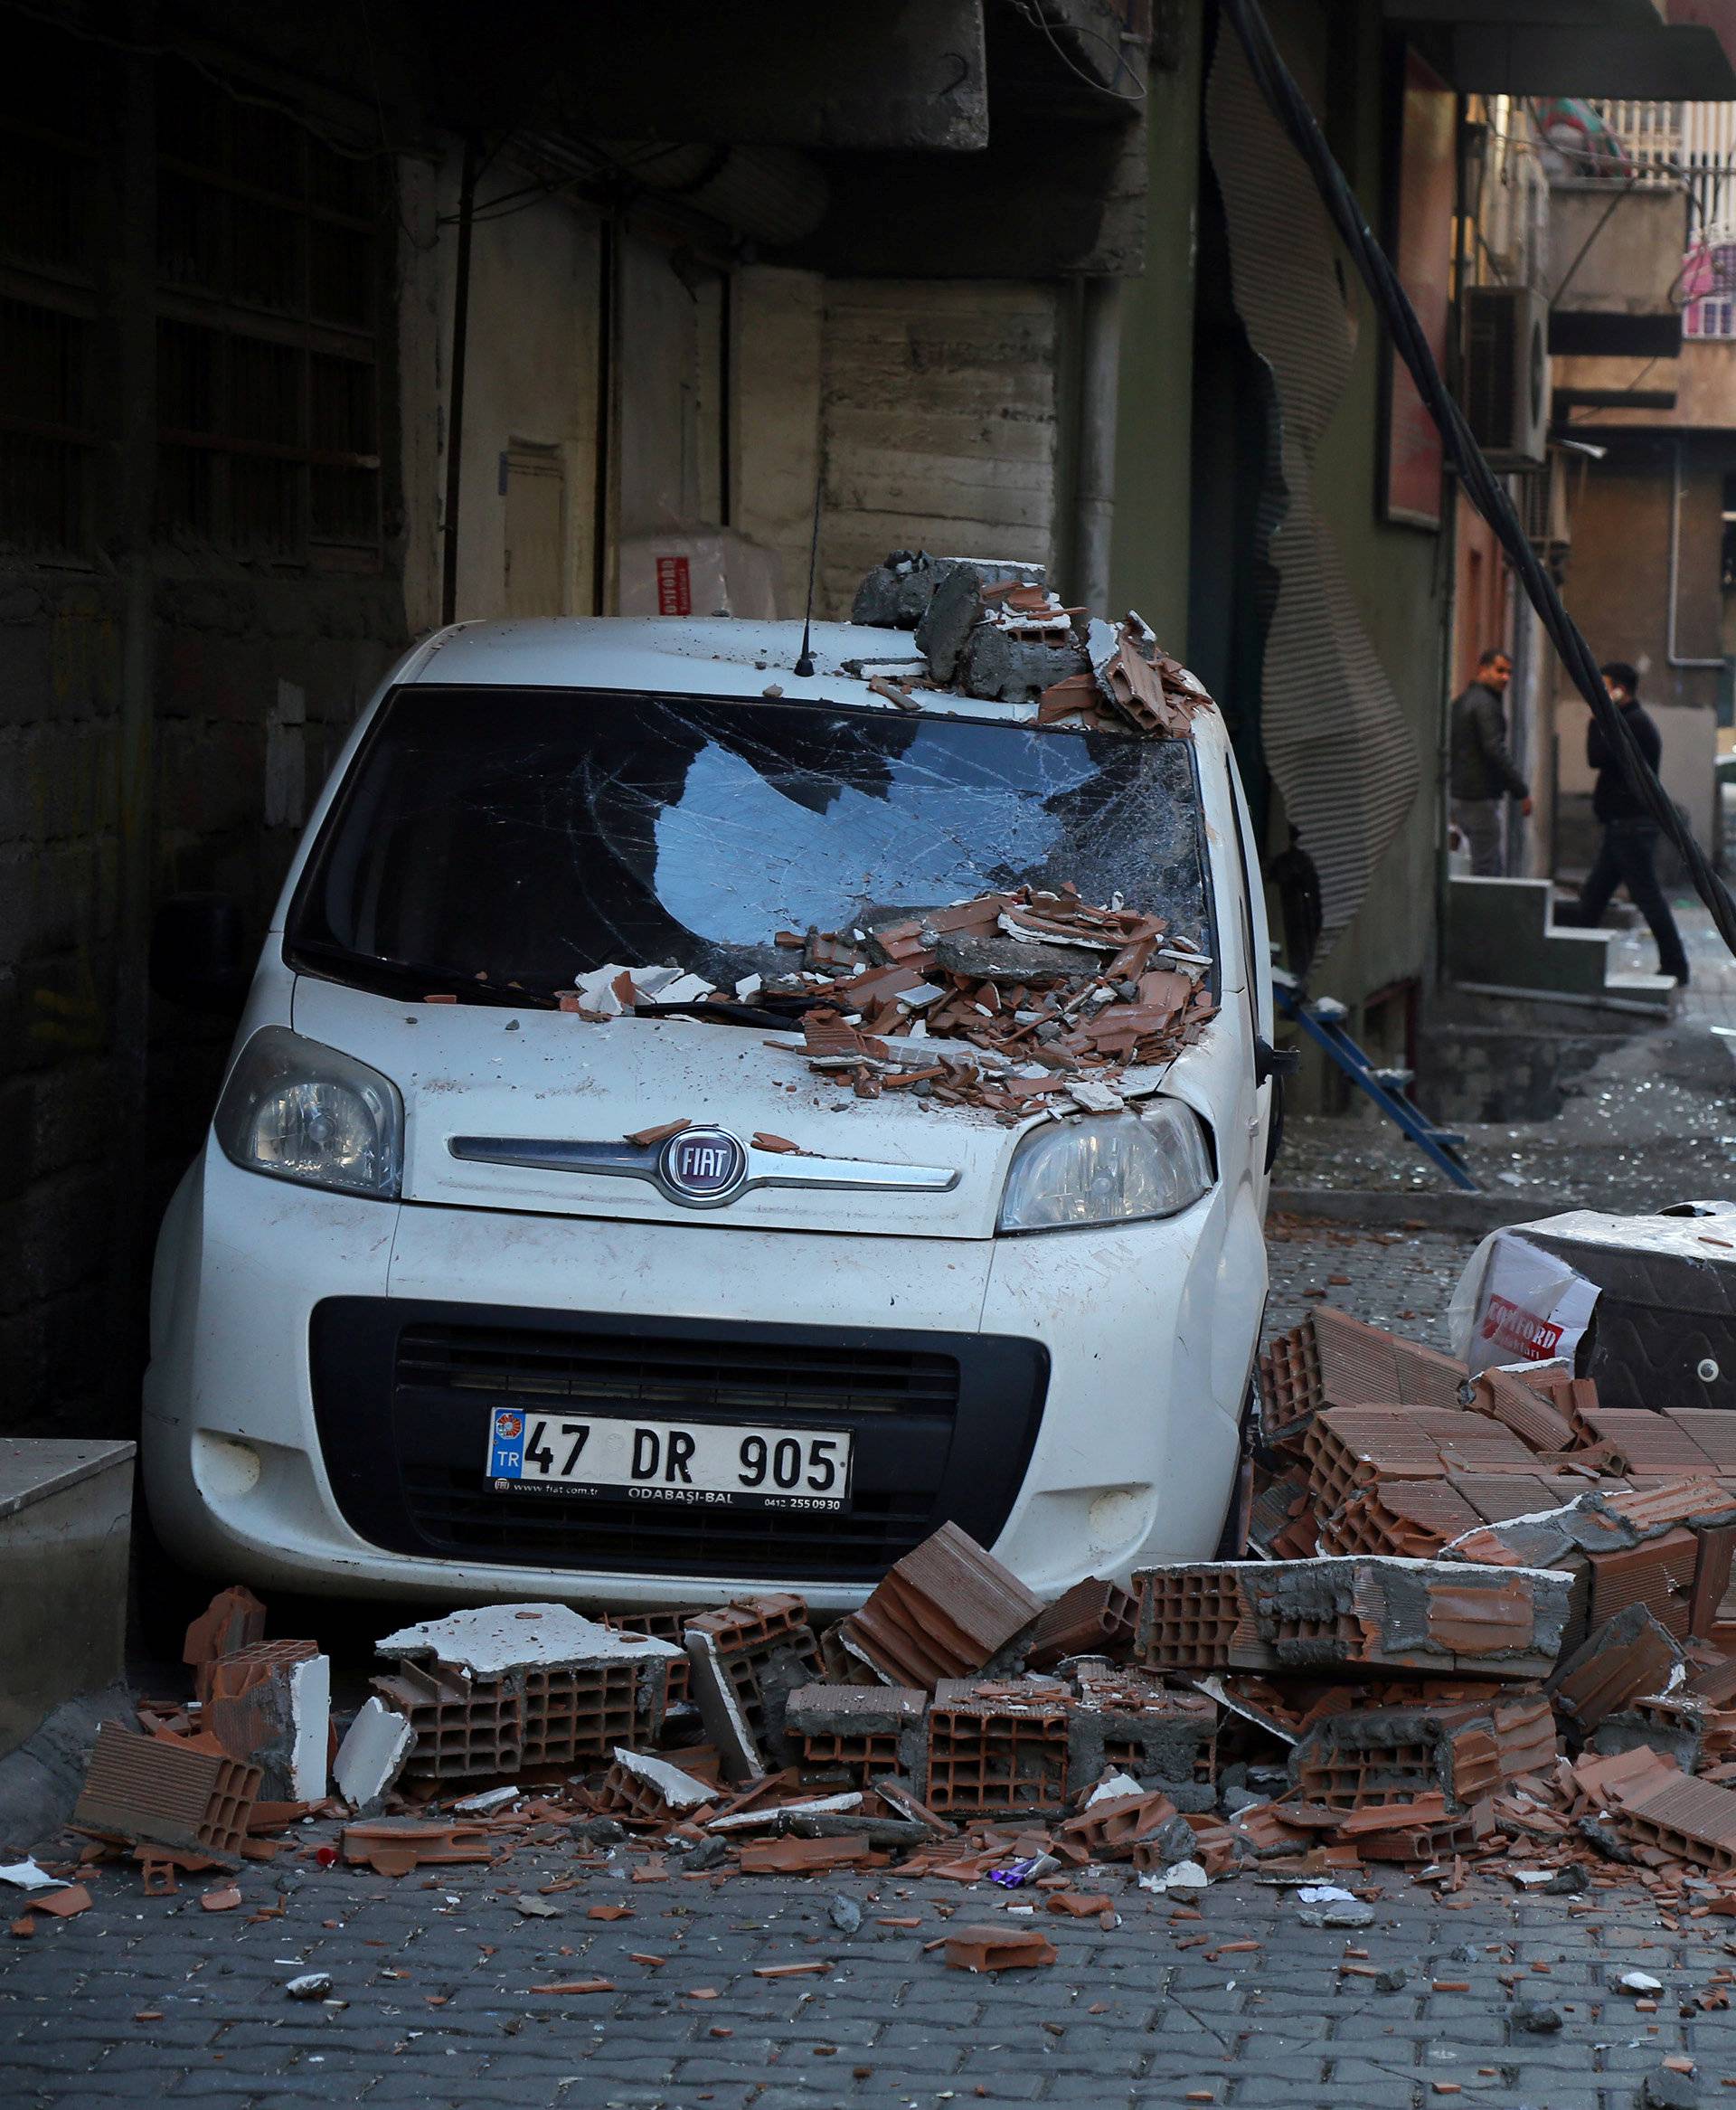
1626	857
1481	771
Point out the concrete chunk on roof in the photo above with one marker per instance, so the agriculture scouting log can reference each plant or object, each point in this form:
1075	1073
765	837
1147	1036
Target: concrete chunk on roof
488	1639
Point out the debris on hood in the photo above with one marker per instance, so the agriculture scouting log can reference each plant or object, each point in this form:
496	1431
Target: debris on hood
1053	1000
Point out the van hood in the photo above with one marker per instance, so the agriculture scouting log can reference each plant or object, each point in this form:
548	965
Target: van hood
513	1110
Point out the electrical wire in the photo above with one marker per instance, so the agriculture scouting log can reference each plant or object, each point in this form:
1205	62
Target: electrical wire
1480	484
1032	10
347	148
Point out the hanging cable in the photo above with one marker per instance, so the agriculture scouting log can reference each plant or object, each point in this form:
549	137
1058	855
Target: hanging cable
1481	485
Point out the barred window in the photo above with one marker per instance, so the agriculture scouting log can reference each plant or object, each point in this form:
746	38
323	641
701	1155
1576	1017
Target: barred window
268	382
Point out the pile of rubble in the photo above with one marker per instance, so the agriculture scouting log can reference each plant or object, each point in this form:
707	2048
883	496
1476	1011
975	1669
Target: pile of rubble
1023	1002
1035	1026
1486	1619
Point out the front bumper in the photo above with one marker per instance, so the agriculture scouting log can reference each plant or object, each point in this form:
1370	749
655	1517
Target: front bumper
1095	1425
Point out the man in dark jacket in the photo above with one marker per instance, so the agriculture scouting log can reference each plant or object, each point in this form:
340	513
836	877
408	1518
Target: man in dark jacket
1481	771
1629	833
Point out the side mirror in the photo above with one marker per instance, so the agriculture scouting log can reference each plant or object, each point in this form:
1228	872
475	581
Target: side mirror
1275	1061
199	955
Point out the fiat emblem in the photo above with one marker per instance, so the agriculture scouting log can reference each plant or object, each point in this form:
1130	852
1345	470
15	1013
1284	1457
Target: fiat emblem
703	1165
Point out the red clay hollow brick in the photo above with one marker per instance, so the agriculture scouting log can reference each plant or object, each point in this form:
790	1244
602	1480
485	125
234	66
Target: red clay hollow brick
149	1788
234	1619
1094	1618
947	1610
996	1749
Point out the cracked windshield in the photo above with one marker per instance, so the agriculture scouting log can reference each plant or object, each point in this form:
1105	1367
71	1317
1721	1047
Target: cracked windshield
518	838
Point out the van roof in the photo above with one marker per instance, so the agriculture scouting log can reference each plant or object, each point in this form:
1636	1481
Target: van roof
731	656
717	656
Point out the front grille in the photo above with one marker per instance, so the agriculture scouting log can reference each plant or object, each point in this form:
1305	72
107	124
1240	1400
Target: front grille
738	1380
942	1427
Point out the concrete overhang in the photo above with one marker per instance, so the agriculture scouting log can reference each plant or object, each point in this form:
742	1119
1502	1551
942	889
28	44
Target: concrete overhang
1613	268
1637	49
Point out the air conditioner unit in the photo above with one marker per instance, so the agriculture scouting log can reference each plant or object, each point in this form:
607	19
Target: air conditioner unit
1540	496
1506	393
1542	505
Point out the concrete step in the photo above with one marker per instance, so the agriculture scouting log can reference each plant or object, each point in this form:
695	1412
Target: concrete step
1498	933
1483	914
1654	989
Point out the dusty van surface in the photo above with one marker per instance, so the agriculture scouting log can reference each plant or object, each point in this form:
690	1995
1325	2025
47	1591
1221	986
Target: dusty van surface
697	1127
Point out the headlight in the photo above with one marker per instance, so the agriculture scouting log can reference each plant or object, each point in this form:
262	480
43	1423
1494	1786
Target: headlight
1112	1169
299	1111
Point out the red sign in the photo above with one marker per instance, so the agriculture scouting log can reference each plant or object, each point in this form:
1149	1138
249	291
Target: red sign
1528	1338
674	586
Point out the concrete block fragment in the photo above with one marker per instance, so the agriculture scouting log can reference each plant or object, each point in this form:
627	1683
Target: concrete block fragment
486	1640
1629	1656
896	593
954	611
1013	670
372	1754
1166	1739
1361	1611
1373	1754
271	1703
854	1732
721	1710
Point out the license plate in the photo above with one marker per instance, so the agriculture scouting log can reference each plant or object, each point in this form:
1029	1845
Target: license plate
698	1464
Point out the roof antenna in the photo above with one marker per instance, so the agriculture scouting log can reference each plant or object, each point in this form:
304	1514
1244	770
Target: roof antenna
805	665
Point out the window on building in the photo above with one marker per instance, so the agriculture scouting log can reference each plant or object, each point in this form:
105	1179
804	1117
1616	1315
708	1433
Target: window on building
48	304
268	382
1730	535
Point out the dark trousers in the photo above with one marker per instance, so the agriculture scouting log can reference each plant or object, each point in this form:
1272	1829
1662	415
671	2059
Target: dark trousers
1625	858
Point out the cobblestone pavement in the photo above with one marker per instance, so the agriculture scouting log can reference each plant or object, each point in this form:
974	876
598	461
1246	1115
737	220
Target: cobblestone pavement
431	2003
1401	1280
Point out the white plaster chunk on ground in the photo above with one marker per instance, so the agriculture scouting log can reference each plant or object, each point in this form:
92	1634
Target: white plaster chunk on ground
372	1754
679	1789
311	1716
490	1639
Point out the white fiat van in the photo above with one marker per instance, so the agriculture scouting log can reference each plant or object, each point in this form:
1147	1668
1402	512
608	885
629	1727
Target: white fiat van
429	1321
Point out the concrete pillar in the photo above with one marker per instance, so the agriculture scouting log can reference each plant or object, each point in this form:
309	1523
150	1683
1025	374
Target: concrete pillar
1099	387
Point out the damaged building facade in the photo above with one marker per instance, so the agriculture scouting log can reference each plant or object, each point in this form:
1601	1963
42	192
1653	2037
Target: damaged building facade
327	330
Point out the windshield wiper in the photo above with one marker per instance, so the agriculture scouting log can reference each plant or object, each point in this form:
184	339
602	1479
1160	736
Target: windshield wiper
410	974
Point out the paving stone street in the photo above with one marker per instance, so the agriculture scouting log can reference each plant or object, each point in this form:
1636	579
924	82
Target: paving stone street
432	1999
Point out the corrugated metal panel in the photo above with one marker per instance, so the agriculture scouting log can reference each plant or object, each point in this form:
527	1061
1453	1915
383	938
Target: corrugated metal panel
938	423
1335	738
